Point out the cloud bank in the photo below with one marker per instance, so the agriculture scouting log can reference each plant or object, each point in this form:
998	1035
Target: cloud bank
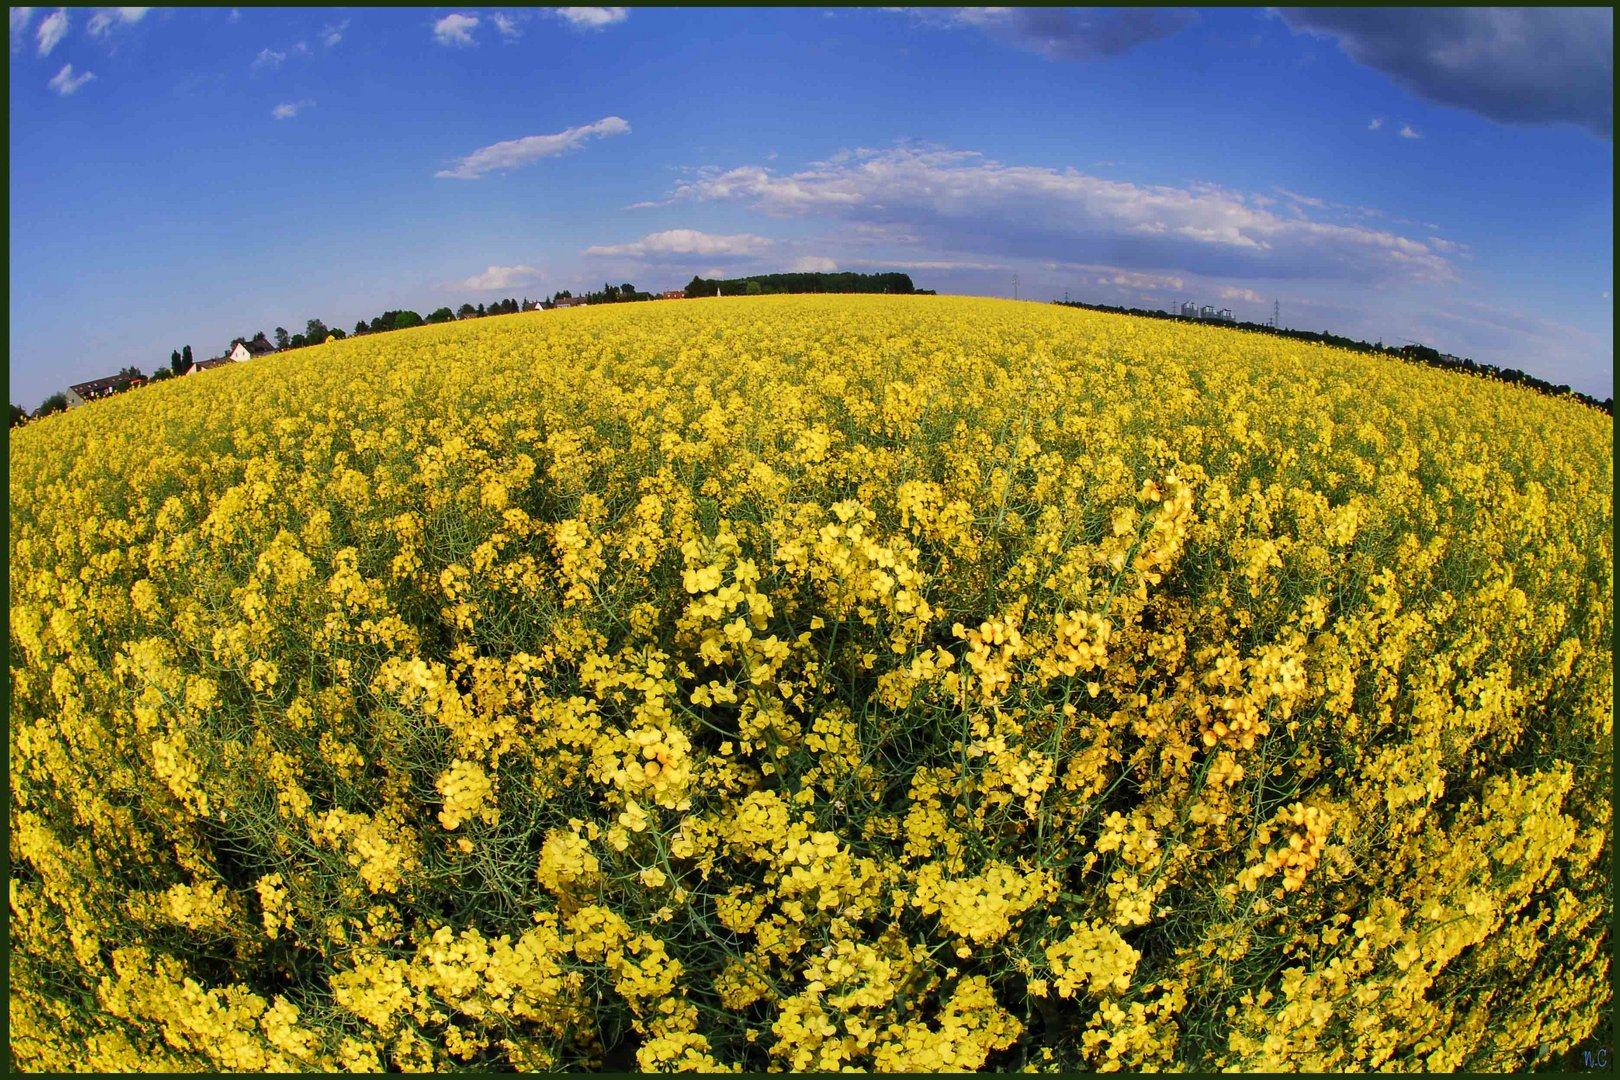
966	208
1065	33
1511	65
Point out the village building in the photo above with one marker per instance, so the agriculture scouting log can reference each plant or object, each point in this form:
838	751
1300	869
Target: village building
248	350
218	361
80	393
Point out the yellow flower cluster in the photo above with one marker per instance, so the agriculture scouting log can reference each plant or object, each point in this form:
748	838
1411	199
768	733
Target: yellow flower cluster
811	683
1093	959
981	908
1306	831
465	788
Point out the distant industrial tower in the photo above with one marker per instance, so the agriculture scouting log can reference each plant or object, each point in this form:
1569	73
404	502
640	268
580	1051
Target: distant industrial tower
1275	311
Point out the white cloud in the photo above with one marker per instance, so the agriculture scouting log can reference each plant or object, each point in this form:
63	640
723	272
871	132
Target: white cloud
1376	123
235	16
502	277
507	26
269	57
515	152
683	242
968	208
1409	132
591	18
52	30
1304	200
20	18
1229	293
106	19
1131	279
927	264
455	29
813	264
290	109
331	35
64	82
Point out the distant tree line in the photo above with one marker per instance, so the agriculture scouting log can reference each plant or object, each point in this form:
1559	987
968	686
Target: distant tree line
614	294
1419	354
316	331
769	284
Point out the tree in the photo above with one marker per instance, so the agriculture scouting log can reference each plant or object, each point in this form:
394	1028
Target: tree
282	340
185	354
381	323
361	328
260	341
19	414
404	320
753	288
442	315
298	341
466	311
132	371
480	310
175	363
338	334
163	373
57	402
315	332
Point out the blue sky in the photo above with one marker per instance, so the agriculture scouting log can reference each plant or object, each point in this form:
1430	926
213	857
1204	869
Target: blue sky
184	176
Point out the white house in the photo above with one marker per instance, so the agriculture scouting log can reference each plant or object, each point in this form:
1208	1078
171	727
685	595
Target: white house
248	350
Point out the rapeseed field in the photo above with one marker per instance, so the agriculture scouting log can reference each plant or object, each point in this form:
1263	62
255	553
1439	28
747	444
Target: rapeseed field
808	683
